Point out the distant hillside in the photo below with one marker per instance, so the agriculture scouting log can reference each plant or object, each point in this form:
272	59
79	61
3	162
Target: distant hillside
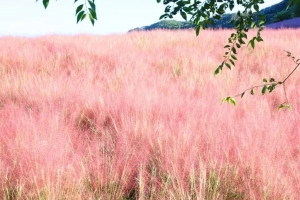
166	24
274	13
278	12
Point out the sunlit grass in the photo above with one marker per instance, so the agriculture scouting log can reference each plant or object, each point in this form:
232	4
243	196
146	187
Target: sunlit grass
139	116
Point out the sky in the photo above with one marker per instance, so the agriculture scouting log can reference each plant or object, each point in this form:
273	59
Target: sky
29	18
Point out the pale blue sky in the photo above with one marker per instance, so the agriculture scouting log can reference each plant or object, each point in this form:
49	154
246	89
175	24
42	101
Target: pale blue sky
29	18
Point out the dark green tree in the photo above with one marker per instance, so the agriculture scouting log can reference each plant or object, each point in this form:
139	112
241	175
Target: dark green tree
297	9
282	15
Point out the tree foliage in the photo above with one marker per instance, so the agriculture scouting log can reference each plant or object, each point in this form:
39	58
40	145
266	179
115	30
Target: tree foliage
297	9
85	8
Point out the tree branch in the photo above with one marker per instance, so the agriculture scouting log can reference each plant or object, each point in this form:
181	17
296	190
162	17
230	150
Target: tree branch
271	85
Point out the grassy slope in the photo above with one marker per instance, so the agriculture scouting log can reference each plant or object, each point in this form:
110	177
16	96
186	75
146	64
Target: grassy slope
139	116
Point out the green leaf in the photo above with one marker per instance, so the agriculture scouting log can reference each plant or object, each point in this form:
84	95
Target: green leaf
93	14
231	6
272	87
78	9
183	15
261	22
80	16
280	107
92	4
217	71
243	35
45	3
163	16
75	1
252	92
241	41
259	39
221	65
158	1
228	66
233	57
92	19
284	105
167	9
198	30
232	101
217	17
83	16
265	80
252	43
187	10
256	7
242	94
272	80
226	99
234	50
229	100
264	89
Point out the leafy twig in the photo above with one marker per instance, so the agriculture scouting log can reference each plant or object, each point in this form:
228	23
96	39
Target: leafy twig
269	86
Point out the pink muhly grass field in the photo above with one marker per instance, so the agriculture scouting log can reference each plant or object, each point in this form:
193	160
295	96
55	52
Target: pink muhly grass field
139	116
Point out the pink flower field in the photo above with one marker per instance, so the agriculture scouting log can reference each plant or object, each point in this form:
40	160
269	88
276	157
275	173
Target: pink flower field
139	116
